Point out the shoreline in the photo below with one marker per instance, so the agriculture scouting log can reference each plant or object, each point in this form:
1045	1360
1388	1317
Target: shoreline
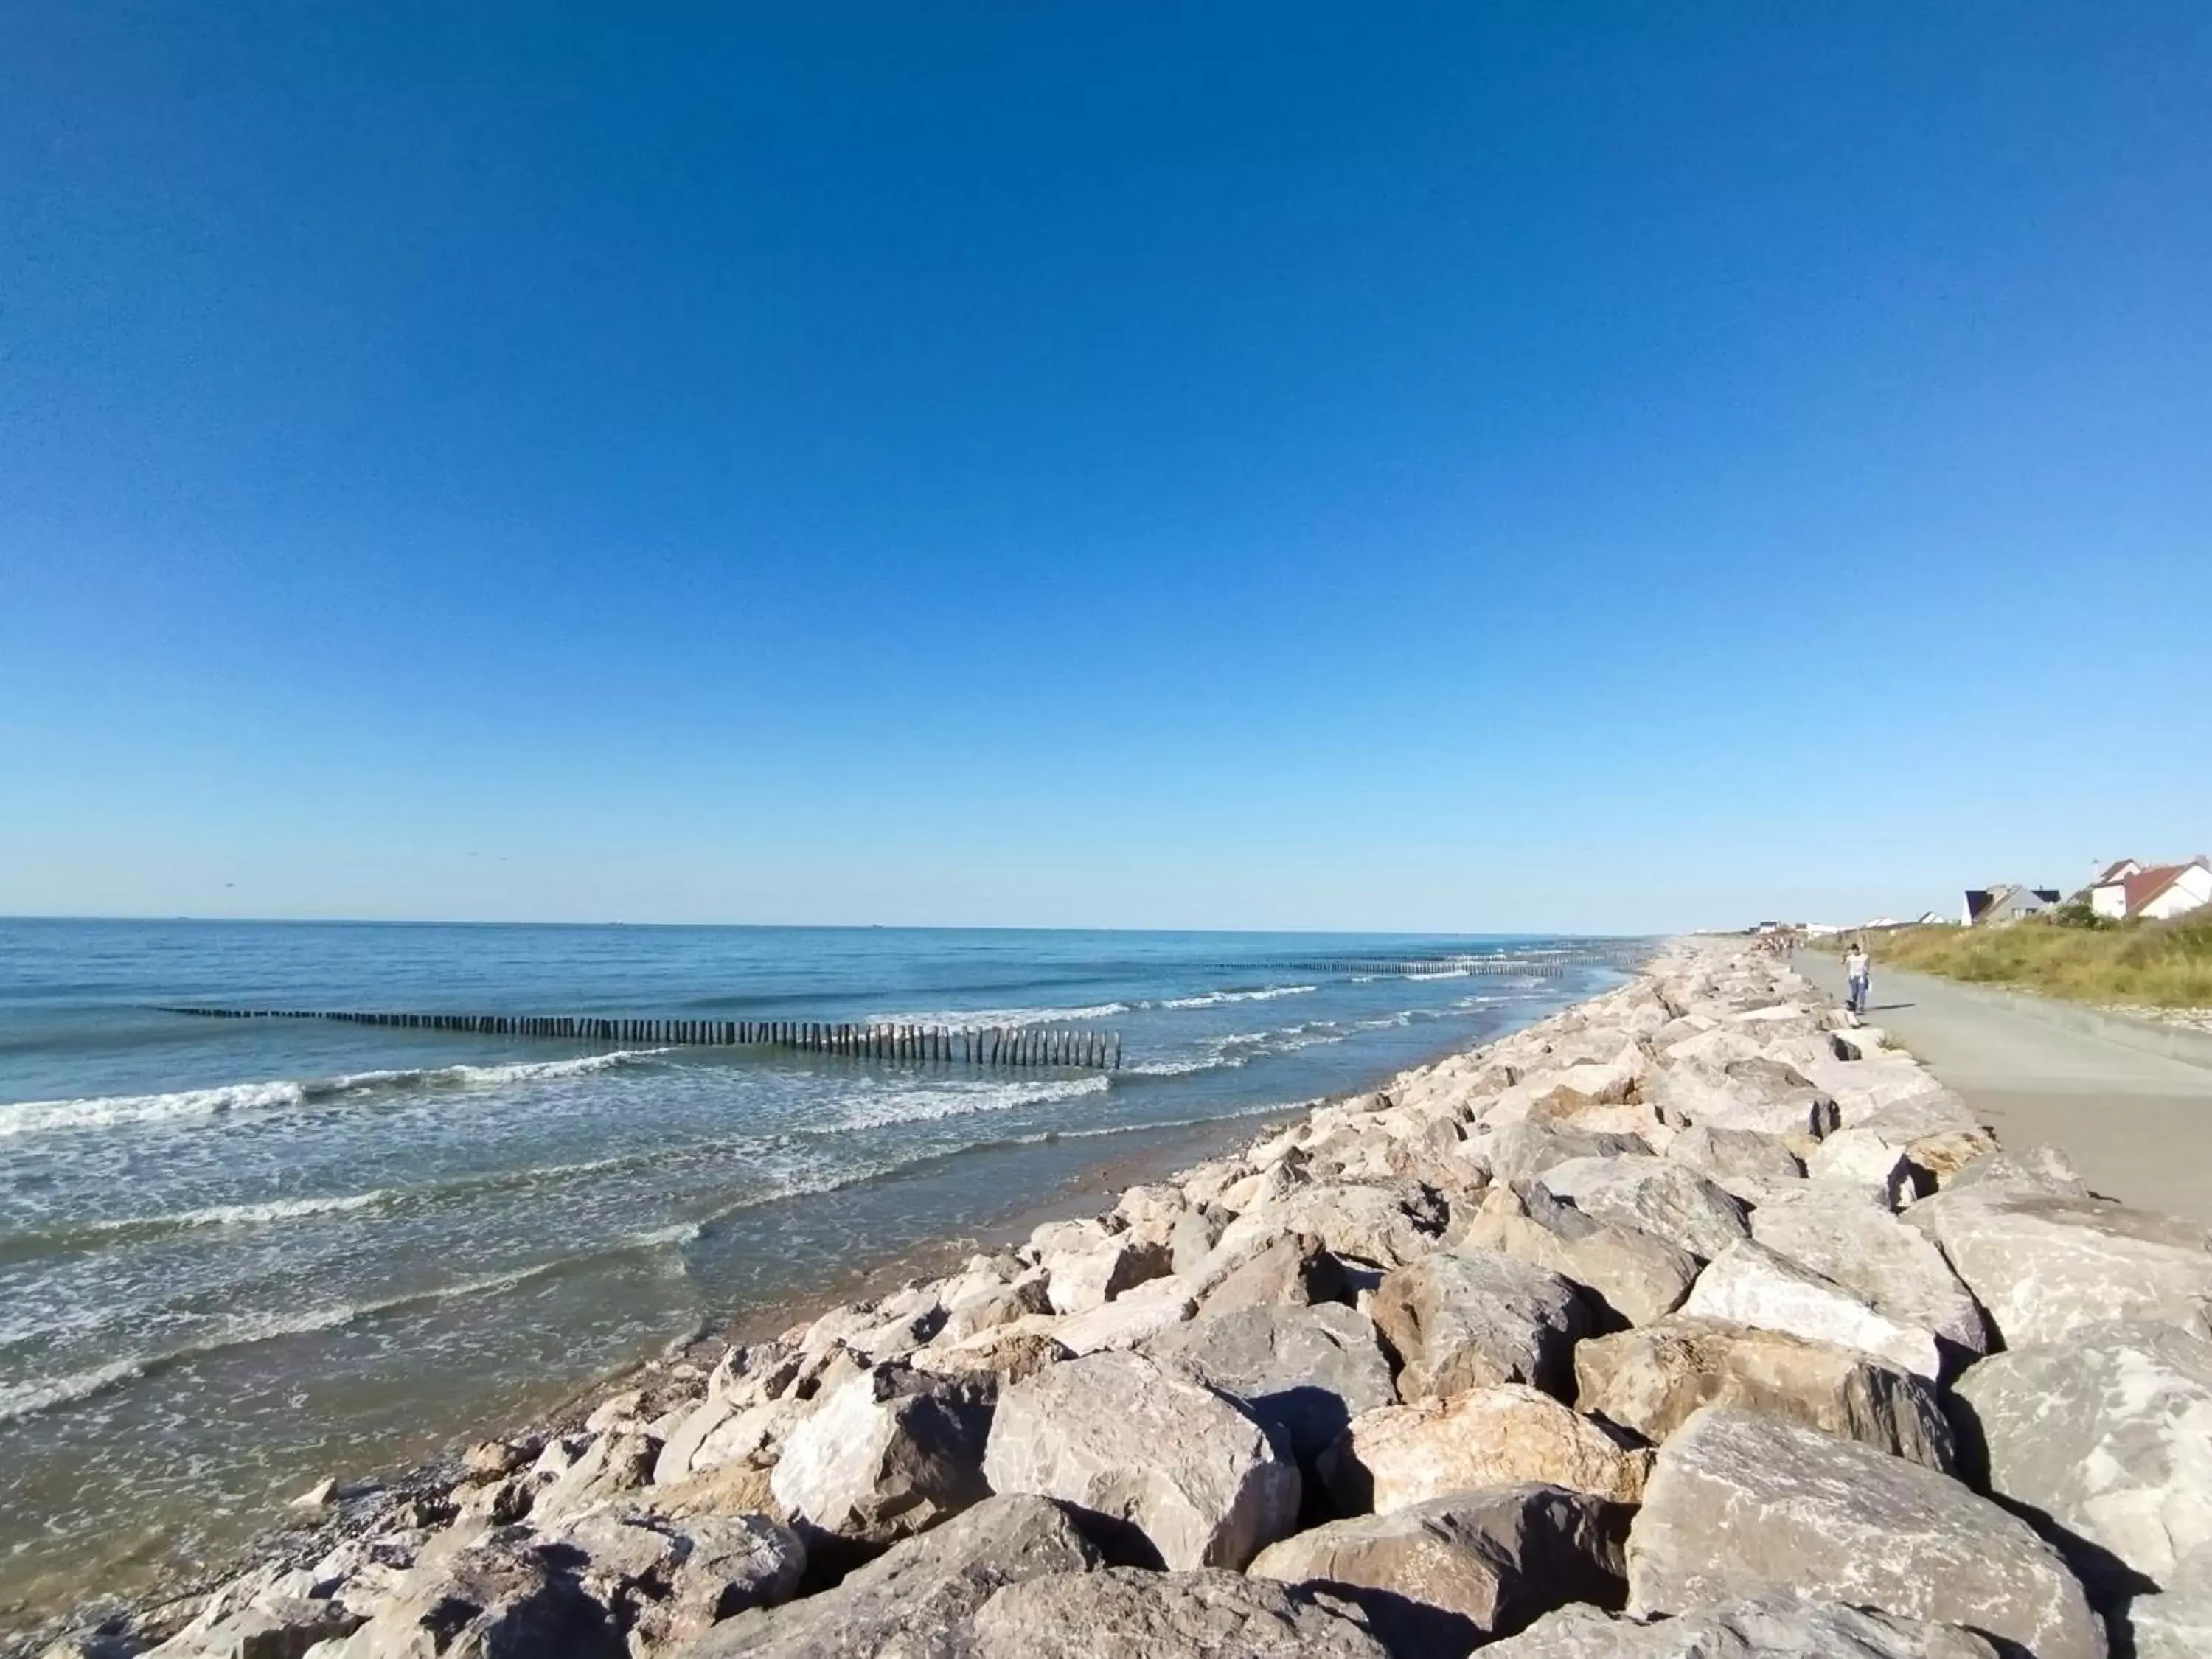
368	1496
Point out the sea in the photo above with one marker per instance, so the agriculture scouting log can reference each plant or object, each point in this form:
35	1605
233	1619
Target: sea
238	1256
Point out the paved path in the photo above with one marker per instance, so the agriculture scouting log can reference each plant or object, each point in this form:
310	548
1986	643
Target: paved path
2138	1126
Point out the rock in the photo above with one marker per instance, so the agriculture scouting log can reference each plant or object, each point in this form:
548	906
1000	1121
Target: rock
665	1582
1893	1268
1507	1436
1866	1157
1519	1151
616	1464
1121	1613
1748	1284
615	1408
2109	1434
1198	1228
1461	1321
2177	1623
1292	1268
916	1601
1742	1503
2026	1169
1759	1100
501	1599
1675	1203
273	1627
1778	1625
319	1496
1652	1380
1193	1478
1010	1351
1630	1273
1730	1157
492	1459
1302	1372
887	1454
1143	1313
1372	1223
1092	1278
2041	1264
1441	1577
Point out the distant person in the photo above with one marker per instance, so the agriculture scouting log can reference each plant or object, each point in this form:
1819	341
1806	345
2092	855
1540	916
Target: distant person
1858	969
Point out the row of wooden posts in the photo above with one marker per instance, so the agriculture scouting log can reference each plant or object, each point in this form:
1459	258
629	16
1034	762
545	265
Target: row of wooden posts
996	1045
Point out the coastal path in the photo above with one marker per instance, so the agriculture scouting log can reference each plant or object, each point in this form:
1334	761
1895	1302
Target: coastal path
2137	1125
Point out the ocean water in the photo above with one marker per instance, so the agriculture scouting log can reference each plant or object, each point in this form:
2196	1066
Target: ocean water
236	1256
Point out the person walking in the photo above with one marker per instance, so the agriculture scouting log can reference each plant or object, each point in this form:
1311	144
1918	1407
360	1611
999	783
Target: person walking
1858	969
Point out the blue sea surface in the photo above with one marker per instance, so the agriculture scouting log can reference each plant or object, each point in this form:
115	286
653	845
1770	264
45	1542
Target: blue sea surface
236	1256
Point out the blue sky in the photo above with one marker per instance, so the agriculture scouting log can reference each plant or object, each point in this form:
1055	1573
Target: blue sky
1501	466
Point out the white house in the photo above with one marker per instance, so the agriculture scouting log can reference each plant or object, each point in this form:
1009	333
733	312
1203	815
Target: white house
1985	907
2154	891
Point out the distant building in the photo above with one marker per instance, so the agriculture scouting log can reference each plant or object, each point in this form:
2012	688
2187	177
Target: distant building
2130	889
1933	919
1990	907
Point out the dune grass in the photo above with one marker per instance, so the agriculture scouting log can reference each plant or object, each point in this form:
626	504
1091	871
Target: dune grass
2152	964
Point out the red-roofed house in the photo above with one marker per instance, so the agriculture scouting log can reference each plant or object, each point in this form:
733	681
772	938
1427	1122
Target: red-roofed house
2154	891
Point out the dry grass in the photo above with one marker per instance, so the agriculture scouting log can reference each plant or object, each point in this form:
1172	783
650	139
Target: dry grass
2155	965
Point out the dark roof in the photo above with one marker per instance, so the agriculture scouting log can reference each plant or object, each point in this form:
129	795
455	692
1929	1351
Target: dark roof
2112	872
2048	895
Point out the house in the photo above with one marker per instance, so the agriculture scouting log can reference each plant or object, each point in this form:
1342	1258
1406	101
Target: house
1933	919
1987	906
2130	889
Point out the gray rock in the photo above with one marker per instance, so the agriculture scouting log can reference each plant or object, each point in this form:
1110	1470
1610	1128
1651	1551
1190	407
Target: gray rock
1467	1319
1511	1435
1519	1151
1763	1098
275	1627
1778	1625
916	1601
1122	1613
1895	1269
666	1582
2176	1623
2021	1169
2041	1264
1748	1284
1725	1156
2109	1434
1676	1203
501	1599
1289	1269
1189	1475
1197	1230
1302	1372
1740	1502
890	1453
1652	1380
1439	1577
1081	1280
1386	1226
1631	1274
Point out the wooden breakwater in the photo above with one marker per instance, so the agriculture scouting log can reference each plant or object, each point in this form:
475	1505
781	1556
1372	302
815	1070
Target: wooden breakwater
919	1045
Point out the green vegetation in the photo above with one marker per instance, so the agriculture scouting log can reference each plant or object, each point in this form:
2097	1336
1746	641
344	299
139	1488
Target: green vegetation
2068	953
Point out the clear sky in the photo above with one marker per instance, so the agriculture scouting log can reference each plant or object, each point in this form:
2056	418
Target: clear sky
1442	466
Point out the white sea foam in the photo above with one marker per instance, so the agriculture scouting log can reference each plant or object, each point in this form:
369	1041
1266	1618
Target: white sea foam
106	1111
244	1215
971	1019
1448	973
1215	999
881	1109
43	1393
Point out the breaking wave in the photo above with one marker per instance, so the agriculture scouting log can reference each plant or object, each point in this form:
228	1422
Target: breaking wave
1215	999
108	1111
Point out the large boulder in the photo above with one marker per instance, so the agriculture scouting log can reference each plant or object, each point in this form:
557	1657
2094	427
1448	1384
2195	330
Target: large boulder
1740	1502
2042	1263
1123	1613
1460	1320
1439	1577
1652	1380
1748	1284
890	1452
2176	1623
1895	1269
1191	1478
1778	1625
2109	1434
1507	1436
1756	1095
503	1598
1674	1201
1286	1268
1079	1280
1302	1372
1519	1151
1386	1226
1632	1275
666	1582
916	1599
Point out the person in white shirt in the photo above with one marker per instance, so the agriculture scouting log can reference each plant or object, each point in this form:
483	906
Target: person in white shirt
1858	969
